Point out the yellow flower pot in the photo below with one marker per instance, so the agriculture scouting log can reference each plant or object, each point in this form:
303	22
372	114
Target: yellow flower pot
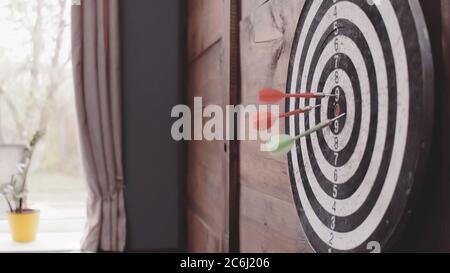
24	225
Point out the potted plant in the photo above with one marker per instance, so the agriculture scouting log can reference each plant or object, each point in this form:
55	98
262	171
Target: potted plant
23	221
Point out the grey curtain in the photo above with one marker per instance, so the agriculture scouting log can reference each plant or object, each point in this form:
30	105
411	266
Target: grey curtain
96	63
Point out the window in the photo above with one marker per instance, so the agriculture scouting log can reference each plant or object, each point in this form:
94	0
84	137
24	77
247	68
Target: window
36	91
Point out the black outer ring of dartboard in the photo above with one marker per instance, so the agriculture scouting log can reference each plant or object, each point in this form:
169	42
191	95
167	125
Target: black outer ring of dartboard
420	65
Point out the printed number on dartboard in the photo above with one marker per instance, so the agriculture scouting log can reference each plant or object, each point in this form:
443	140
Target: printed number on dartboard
336	125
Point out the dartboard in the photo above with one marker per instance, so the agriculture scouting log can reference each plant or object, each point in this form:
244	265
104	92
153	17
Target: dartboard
354	183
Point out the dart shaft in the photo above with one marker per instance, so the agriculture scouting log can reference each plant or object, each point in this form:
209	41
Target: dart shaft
299	111
308	95
319	127
313	130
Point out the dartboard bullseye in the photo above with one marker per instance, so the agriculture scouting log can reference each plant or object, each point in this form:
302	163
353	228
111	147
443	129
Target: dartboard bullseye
354	181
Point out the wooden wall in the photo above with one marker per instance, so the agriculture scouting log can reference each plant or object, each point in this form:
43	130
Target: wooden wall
207	169
268	218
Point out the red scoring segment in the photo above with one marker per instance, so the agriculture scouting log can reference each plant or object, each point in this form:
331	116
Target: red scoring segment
337	110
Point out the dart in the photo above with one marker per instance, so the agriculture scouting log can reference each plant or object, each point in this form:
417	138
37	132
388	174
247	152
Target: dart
281	144
265	120
274	96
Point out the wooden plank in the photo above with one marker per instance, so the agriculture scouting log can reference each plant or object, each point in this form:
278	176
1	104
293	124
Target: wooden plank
205	160
205	25
206	77
266	176
276	221
206	194
207	165
272	212
208	154
201	238
206	184
247	6
256	238
267	55
269	221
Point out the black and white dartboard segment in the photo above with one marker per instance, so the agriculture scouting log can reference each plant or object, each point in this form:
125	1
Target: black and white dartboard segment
352	182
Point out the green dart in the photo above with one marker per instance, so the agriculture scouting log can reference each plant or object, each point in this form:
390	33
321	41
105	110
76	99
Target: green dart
280	145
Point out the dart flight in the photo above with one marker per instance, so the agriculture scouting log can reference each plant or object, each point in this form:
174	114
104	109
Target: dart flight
280	145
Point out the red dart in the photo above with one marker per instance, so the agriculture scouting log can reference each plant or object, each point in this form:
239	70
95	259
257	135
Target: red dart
265	120
274	96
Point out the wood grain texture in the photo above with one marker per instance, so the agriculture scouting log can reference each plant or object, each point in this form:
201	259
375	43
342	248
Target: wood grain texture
207	182
248	6
206	161
264	174
205	25
266	52
269	220
206	197
205	77
267	224
201	238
